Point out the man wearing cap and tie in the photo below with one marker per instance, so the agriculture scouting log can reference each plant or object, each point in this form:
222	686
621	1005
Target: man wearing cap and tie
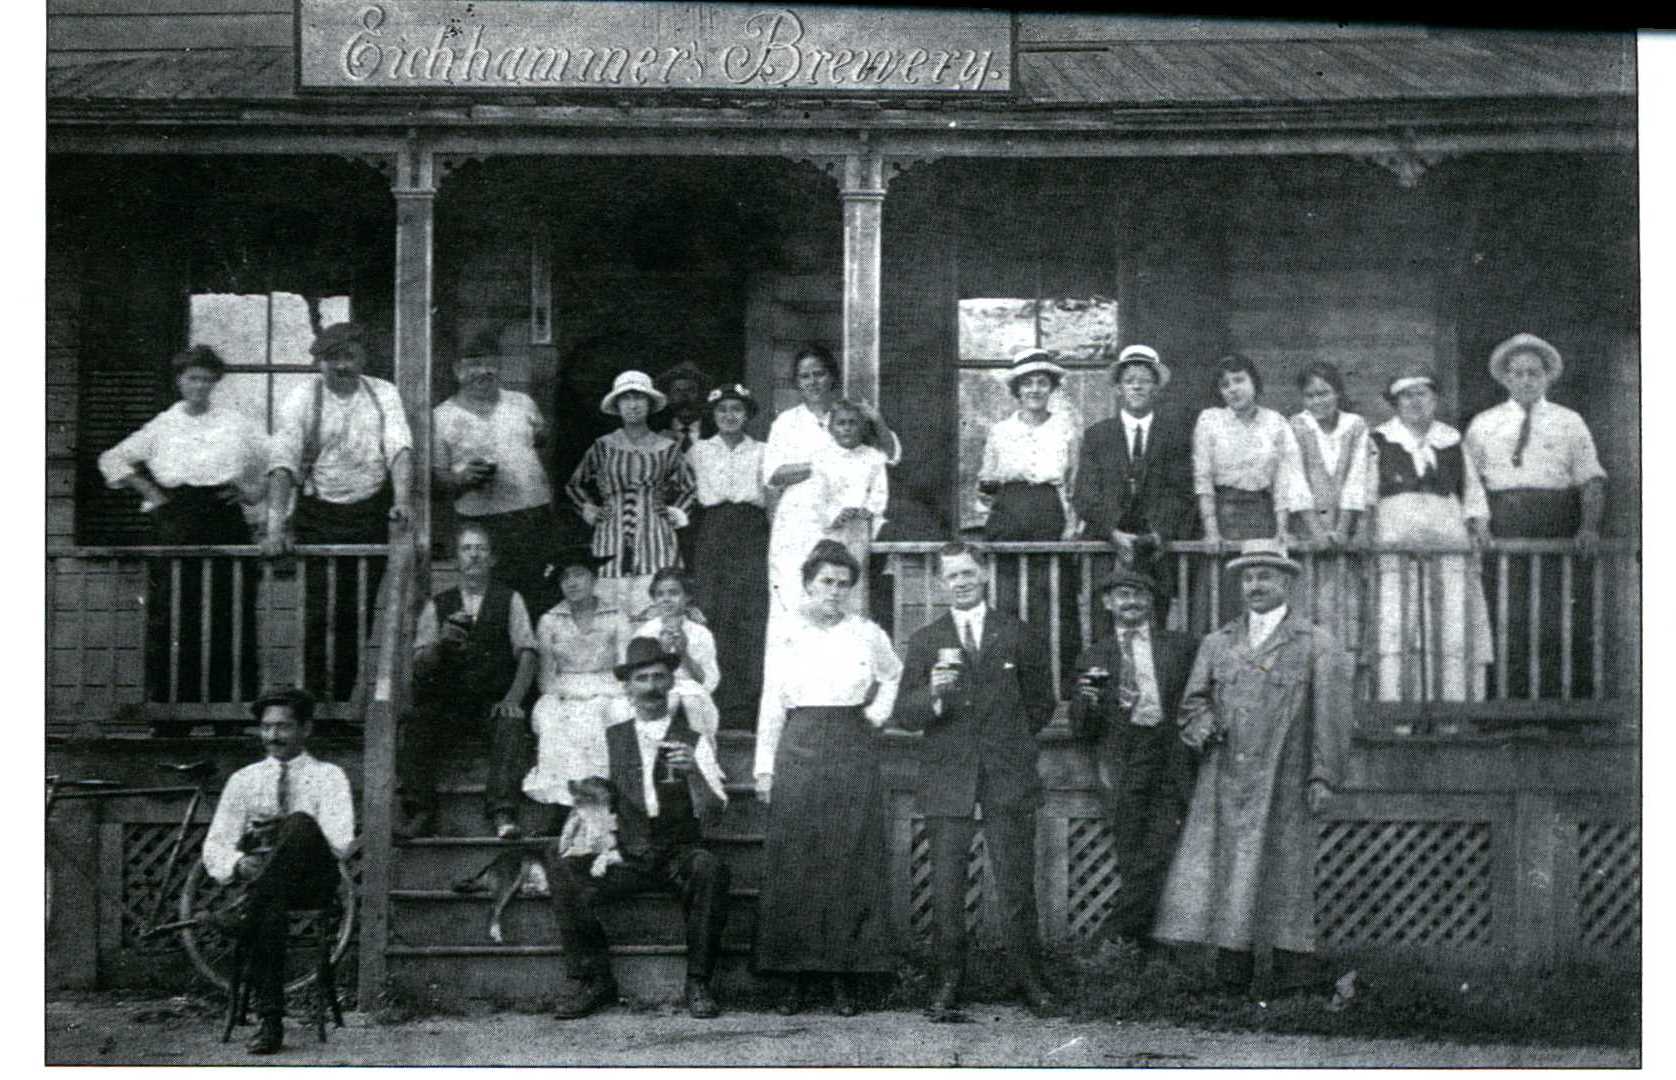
682	419
343	437
1268	708
977	682
1134	484
281	826
1129	687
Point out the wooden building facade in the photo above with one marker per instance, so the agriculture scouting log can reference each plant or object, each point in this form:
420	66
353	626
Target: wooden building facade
1369	196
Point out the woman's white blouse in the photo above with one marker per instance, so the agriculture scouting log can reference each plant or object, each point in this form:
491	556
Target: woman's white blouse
831	666
221	446
727	474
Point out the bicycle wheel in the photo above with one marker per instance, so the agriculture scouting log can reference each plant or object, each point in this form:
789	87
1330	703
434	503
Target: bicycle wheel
211	950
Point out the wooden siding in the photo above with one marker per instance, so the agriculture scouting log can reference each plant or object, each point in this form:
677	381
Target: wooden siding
63	339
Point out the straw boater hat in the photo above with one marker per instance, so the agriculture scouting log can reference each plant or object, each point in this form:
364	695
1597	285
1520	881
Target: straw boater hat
1518	343
300	701
638	382
1142	354
1133	580
643	652
1030	362
1264	553
1415	375
732	392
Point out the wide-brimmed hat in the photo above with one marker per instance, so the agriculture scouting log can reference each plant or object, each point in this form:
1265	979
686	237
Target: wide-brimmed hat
685	369
337	336
732	392
1130	578
643	652
1518	343
1413	375
636	382
300	701
1031	362
1142	354
1264	553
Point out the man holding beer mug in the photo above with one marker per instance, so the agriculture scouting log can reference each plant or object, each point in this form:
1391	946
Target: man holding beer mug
280	827
977	682
1129	686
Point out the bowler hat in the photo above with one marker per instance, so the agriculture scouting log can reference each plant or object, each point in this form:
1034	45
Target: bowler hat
337	336
301	702
636	382
643	652
1502	354
1133	580
1264	552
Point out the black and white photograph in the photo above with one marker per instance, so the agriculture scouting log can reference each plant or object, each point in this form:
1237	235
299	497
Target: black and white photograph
642	533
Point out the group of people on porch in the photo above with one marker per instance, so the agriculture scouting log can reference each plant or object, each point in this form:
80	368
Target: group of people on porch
722	579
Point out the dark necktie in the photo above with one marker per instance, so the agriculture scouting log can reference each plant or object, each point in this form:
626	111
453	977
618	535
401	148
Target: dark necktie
1126	678
967	641
1524	439
281	794
1138	451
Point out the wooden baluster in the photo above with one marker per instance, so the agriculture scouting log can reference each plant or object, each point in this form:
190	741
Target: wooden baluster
1309	588
1085	600
1534	657
238	631
174	630
927	562
1406	652
1023	587
361	614
1182	582
992	563
1597	655
1431	569
893	564
1566	615
330	676
1502	608
1213	567
266	625
1055	636
206	607
301	578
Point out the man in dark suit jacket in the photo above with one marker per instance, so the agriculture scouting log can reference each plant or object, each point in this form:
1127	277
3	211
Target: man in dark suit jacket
980	717
1138	502
1145	773
667	781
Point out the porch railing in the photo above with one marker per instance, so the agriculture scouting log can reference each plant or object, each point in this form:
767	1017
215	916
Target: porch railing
191	633
1444	640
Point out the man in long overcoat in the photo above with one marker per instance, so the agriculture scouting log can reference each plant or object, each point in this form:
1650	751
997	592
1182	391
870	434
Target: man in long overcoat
1268	706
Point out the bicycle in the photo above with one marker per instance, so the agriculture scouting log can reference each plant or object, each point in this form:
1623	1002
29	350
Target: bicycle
201	898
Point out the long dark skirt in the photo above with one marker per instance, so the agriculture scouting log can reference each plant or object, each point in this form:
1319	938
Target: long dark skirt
730	574
200	516
825	903
1535	514
1240	515
1033	512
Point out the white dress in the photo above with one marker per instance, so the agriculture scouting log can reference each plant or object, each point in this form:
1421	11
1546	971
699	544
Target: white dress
577	680
798	435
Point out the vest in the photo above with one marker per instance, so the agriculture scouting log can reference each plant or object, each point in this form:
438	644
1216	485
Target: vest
481	672
1397	476
639	835
1326	487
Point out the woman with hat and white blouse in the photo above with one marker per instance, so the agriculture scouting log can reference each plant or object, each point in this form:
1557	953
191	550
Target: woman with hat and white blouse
1434	631
1543	480
634	487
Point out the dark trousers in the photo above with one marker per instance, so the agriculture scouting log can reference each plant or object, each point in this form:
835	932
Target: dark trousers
435	733
1144	801
318	522
300	873
201	516
1010	836
697	876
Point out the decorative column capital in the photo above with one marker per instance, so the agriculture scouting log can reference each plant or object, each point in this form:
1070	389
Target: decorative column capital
864	174
415	171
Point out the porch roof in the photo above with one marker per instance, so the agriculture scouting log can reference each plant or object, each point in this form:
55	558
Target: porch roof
1366	67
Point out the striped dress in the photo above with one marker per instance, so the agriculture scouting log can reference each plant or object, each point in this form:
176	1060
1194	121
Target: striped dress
633	483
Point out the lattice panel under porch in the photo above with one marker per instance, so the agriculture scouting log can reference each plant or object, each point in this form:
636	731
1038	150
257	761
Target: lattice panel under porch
1609	885
1091	875
1409	883
921	915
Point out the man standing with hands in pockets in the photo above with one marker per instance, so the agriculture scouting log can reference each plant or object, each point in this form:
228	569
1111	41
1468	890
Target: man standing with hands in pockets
977	682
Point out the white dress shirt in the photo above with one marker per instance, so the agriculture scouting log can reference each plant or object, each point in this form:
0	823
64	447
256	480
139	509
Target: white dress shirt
1258	627
1130	423
970	617
728	474
505	435
853	654
1260	454
219	446
312	787
1561	452
1149	710
349	467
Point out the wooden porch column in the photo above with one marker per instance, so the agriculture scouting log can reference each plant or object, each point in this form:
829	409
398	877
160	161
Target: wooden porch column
861	190
409	571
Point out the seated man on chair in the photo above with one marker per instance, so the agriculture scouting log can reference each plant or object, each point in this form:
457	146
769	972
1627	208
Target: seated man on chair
668	780
280	828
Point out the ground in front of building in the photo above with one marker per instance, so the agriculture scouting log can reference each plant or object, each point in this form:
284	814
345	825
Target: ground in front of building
106	1029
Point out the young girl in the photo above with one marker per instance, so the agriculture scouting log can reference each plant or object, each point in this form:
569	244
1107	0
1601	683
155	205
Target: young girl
672	624
851	478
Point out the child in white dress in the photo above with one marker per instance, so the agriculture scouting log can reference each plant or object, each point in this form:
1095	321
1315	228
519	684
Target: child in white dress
671	621
854	486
